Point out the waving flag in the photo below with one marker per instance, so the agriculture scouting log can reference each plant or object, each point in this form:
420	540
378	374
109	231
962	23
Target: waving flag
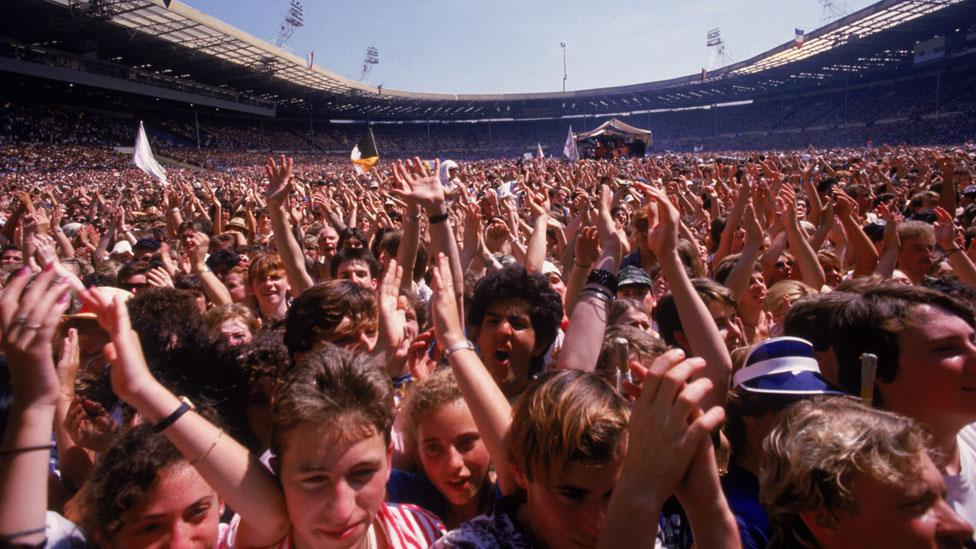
143	158
538	151
569	149
364	155
799	37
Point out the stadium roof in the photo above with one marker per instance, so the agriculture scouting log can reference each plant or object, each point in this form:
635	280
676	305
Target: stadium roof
206	50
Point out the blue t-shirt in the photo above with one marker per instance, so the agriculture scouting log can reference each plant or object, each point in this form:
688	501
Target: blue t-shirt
415	488
742	492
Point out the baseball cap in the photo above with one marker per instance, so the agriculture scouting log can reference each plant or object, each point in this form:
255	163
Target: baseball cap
632	275
150	244
783	366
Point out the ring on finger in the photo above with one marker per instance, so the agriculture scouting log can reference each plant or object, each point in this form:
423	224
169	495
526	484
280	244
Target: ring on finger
19	320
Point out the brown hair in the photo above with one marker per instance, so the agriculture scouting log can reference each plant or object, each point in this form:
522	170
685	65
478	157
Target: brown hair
332	387
567	417
813	454
647	346
263	265
433	391
872	321
314	315
221	313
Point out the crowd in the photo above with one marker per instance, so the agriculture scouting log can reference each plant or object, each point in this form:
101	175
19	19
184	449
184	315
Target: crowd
694	349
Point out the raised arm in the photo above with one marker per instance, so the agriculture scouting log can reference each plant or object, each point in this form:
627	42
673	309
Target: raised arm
707	343
588	322
738	280
225	464
279	183
806	259
489	407
214	289
535	252
28	319
867	254
415	184
945	234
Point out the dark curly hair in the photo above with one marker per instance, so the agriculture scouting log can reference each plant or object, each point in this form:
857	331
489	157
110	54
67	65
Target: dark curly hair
123	476
182	355
514	282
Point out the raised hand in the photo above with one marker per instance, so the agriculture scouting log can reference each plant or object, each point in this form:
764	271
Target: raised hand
197	246
28	320
539	203
662	235
587	246
416	184
130	376
945	229
667	424
90	425
45	249
844	205
159	278
279	180
750	223
610	237
418	363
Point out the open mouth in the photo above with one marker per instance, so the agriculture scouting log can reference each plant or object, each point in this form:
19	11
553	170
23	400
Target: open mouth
502	356
458	484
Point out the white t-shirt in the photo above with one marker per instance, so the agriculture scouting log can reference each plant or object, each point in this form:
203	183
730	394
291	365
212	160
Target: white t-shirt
962	487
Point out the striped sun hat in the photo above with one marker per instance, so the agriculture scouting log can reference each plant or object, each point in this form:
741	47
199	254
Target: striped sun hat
783	366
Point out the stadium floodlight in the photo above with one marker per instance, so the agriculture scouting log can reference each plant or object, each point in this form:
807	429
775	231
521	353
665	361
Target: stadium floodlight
294	18
372	58
833	10
563	46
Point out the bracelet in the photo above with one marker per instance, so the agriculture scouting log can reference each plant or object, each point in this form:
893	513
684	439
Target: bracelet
184	407
459	346
603	278
599	293
220	434
435	219
24	533
581	266
25	449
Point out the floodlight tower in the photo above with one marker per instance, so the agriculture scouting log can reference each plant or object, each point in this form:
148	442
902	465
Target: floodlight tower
832	10
720	55
372	58
294	18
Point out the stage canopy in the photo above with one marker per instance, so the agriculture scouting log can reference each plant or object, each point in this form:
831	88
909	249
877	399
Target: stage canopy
616	128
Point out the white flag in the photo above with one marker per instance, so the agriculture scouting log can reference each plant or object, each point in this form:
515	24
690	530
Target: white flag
538	151
143	158
569	149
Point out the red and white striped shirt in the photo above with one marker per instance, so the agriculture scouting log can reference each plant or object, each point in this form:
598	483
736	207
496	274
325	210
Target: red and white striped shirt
404	526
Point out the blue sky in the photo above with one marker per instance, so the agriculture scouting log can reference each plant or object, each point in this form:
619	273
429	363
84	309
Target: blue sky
510	46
